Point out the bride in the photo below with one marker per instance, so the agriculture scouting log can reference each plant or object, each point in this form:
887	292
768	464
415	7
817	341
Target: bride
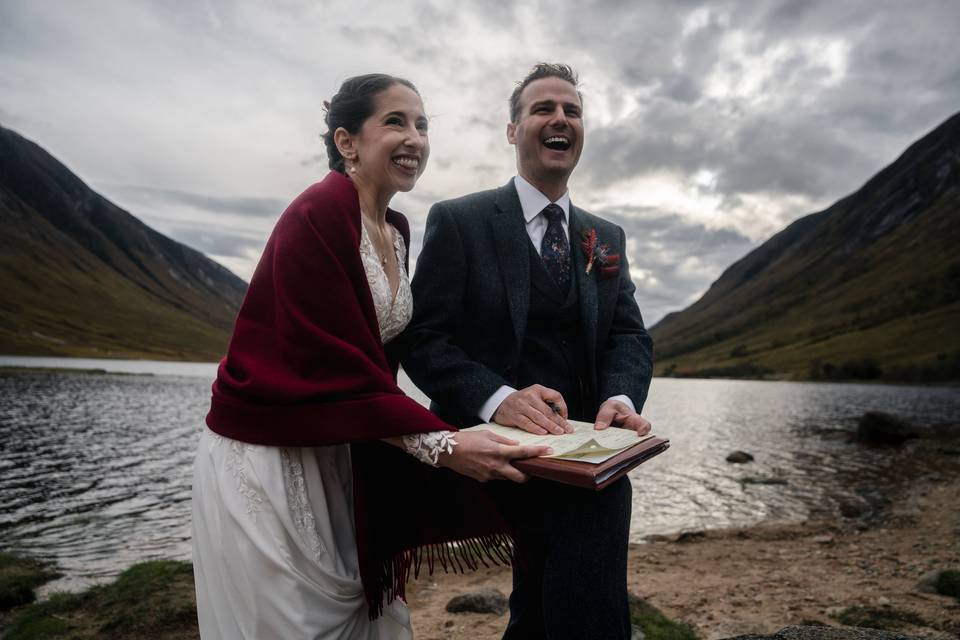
316	488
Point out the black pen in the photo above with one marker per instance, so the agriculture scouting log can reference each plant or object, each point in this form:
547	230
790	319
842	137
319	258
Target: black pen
556	409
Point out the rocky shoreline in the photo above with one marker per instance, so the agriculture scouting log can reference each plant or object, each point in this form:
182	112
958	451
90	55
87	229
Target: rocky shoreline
862	568
869	566
759	580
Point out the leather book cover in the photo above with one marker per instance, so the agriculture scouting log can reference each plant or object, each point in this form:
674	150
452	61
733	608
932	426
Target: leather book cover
593	476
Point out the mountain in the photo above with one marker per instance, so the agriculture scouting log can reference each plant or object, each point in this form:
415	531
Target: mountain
82	277
868	288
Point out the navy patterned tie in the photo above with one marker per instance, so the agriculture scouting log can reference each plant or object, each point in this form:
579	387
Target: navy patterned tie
554	249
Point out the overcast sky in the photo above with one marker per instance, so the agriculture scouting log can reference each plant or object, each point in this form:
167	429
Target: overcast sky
709	125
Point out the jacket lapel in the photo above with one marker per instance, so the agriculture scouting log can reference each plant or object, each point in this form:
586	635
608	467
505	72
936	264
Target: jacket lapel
510	237
587	284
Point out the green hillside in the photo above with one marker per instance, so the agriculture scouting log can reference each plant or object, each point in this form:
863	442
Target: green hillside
867	289
82	277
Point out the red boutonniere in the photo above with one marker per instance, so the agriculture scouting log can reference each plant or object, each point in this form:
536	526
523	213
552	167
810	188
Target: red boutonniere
599	254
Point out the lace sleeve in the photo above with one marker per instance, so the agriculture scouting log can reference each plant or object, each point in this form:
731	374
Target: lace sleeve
427	447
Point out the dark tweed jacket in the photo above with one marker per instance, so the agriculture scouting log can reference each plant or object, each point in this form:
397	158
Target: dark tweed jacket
471	297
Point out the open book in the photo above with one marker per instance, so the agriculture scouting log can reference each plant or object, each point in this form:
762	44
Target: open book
585	458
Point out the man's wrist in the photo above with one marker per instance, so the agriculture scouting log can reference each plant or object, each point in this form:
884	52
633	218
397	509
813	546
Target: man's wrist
493	403
625	400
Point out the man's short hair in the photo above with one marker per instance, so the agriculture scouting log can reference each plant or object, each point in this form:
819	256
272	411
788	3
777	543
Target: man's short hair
540	71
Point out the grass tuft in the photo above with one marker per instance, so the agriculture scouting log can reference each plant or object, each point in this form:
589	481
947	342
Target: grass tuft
151	599
19	577
655	625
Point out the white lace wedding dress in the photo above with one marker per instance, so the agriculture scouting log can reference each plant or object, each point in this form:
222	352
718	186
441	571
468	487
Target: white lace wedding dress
274	550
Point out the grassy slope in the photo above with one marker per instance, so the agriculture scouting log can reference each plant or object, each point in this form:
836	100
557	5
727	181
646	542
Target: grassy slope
897	312
806	298
82	277
60	300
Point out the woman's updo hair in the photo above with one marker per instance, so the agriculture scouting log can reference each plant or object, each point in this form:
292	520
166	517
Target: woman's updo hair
352	105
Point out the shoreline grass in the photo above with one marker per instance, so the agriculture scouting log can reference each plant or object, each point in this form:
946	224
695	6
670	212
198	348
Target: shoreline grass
152	599
19	577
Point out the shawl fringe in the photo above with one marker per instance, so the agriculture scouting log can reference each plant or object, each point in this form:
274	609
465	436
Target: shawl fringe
459	556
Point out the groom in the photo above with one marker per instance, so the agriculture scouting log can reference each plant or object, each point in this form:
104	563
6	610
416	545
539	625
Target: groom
524	315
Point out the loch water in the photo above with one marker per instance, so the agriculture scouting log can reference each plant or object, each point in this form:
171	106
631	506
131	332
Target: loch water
95	468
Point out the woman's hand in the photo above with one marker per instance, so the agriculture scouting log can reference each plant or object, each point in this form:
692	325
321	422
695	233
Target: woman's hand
483	456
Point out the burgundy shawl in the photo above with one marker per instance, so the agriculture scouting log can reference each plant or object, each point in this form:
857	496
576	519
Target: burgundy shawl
306	367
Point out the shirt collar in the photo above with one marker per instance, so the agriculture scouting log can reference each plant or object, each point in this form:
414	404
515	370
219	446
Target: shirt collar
533	202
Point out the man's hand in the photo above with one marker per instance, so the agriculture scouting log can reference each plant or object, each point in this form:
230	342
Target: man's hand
616	413
530	409
483	456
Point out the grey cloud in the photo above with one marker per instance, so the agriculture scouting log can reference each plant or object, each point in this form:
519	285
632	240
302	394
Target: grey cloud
257	207
499	14
666	137
664	245
486	172
315	160
8	120
791	157
665	238
422	200
412	42
682	88
162	68
216	241
367	35
893	92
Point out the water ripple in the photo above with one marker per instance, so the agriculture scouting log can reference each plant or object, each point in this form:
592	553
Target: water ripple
95	470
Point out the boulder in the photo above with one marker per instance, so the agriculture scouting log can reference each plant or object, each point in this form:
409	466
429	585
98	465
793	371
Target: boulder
828	633
854	508
739	457
690	536
945	431
945	439
483	601
876	427
945	583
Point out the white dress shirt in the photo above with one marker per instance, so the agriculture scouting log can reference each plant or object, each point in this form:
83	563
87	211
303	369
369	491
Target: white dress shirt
533	203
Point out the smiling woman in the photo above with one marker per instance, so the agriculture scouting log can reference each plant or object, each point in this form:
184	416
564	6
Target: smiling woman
315	483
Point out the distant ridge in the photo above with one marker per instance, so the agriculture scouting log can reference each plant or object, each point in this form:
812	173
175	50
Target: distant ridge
867	289
82	277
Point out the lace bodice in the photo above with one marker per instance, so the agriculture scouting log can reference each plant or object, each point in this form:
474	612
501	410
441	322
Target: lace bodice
393	315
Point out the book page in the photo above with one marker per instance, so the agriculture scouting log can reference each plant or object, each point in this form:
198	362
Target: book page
585	444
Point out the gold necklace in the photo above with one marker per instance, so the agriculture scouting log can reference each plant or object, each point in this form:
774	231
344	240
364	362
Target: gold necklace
377	245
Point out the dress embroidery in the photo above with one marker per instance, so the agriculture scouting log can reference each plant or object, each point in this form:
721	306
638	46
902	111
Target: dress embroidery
296	488
234	464
393	314
427	447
